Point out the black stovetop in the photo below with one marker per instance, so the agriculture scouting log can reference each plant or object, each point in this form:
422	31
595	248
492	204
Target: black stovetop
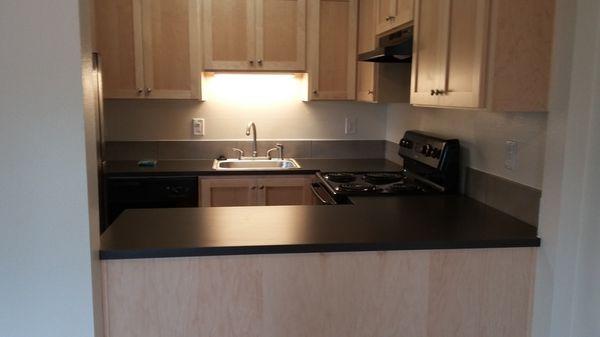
373	183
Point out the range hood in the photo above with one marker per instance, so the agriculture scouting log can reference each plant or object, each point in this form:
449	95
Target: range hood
393	48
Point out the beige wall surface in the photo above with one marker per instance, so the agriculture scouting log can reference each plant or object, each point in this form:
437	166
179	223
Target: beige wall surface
45	234
128	120
482	135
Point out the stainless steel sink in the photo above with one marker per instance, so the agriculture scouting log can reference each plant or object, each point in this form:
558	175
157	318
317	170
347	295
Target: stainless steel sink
246	164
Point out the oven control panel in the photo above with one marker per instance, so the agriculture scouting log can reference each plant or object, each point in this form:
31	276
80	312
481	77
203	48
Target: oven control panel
426	148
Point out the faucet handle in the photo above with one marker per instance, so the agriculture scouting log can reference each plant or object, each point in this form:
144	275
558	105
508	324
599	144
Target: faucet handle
240	153
271	150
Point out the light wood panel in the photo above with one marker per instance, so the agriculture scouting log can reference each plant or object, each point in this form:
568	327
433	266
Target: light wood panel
118	28
365	72
429	50
493	55
287	191
464	75
171	48
222	192
392	14
281	34
377	82
229	35
255	191
332	46
451	293
521	55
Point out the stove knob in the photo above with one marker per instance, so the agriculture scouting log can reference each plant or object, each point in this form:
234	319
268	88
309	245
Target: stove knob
426	150
431	152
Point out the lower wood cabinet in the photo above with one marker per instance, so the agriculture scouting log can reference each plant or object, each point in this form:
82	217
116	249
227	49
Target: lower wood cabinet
255	191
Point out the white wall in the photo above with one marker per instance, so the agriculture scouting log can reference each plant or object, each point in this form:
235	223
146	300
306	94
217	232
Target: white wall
45	245
482	135
567	301
171	120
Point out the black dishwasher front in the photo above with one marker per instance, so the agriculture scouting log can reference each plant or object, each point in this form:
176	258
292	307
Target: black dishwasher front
147	192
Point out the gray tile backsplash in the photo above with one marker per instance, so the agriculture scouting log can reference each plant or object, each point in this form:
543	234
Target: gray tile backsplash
130	150
391	152
520	201
165	150
352	149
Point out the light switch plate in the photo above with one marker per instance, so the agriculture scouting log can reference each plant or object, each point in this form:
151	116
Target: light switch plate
198	126
511	153
351	125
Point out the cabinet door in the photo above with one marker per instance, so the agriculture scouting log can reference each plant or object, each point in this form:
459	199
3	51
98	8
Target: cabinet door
281	34
284	191
171	43
119	41
221	192
384	10
464	73
391	14
429	48
365	72
332	49
229	35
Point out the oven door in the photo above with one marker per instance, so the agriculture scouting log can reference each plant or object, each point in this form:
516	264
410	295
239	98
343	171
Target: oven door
324	197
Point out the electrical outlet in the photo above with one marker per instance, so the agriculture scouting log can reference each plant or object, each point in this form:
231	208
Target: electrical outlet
511	153
351	125
198	126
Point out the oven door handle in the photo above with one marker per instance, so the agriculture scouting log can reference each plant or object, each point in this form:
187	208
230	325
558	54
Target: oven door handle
321	199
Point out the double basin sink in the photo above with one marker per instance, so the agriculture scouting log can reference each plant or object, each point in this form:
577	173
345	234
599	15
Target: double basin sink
258	163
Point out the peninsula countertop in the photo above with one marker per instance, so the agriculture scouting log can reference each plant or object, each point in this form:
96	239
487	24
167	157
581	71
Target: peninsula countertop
370	224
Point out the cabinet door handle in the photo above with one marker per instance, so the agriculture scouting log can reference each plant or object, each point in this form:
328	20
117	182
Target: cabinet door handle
253	188
251	62
140	91
262	187
148	91
433	92
315	92
260	62
440	92
370	92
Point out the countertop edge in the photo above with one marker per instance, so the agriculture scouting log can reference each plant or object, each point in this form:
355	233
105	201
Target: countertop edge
310	248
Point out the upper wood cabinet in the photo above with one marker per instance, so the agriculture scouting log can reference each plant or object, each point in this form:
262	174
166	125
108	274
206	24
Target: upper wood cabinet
255	35
331	50
377	82
391	14
482	54
149	48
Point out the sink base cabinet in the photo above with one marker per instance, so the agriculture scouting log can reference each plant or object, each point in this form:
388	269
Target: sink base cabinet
255	191
474	293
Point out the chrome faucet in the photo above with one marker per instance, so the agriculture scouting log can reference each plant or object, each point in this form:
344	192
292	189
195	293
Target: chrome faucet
252	128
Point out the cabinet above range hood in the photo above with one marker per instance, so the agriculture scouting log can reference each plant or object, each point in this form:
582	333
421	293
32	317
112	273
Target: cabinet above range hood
392	48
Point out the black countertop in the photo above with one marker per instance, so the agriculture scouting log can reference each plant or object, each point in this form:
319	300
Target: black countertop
382	223
204	167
